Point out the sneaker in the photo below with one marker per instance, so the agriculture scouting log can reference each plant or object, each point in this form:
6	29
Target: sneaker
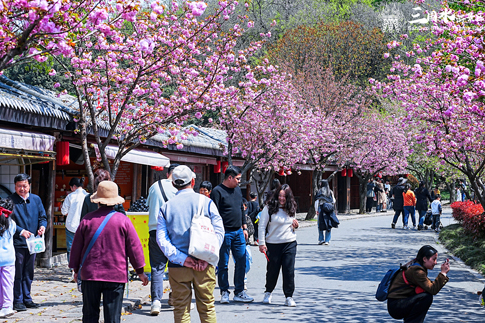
267	298
6	312
326	243
393	225
156	307
225	297
320	242
19	307
414	227
72	280
405	227
420	227
31	305
290	302
243	297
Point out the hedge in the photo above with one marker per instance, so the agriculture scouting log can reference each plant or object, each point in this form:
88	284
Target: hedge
471	217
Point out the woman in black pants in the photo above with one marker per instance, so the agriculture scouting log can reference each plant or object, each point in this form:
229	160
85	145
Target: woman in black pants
277	239
411	292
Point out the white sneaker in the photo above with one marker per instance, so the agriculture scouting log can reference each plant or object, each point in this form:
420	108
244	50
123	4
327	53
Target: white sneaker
290	302
225	297
414	227
320	242
6	312
405	227
243	297
156	308
267	298
326	243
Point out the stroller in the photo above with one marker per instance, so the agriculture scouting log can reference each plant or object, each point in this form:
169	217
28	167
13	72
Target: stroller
428	221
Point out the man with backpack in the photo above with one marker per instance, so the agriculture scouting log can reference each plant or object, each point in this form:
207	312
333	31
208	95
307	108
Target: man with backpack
160	192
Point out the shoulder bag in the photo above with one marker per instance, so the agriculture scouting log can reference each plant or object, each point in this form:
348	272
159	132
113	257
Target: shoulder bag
90	246
203	244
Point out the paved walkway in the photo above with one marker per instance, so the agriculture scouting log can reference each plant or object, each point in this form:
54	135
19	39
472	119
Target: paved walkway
334	283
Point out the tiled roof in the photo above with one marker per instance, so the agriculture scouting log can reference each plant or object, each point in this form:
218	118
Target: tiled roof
32	99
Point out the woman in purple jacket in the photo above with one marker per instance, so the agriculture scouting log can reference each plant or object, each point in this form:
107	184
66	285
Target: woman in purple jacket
105	269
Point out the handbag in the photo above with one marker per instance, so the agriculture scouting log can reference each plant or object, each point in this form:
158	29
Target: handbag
90	246
203	244
36	244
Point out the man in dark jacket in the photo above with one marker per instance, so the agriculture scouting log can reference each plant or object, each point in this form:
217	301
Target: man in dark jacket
398	204
253	210
29	215
229	201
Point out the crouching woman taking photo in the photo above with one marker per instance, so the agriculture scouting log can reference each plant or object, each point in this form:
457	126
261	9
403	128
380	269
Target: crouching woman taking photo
411	292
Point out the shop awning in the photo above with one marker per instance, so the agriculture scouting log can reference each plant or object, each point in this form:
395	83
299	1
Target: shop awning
140	156
25	147
26	140
193	159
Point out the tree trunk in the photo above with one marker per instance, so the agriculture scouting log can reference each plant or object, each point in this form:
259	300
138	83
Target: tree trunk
316	177
451	189
262	183
362	192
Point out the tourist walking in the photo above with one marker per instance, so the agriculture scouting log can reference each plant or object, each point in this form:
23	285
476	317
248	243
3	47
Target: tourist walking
277	239
409	203
398	202
88	206
103	267
436	213
411	292
29	215
325	207
435	192
229	201
381	197
8	228
71	208
159	193
253	211
205	188
422	197
173	237
370	194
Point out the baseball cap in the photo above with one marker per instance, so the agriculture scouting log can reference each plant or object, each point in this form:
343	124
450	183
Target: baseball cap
182	175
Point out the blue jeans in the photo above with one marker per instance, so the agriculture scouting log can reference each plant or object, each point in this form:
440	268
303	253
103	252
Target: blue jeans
69	238
233	241
409	210
328	235
157	263
397	213
422	215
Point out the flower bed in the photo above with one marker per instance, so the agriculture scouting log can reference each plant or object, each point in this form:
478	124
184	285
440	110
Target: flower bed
471	217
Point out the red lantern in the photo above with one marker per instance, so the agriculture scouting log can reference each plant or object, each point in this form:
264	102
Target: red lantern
62	150
344	172
281	172
379	175
157	168
217	168
224	166
350	173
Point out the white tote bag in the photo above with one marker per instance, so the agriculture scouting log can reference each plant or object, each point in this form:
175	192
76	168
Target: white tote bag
204	244
36	244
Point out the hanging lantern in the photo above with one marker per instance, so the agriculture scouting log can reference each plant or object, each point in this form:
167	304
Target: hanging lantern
217	168
157	168
344	172
350	173
288	172
379	175
281	172
62	150
224	166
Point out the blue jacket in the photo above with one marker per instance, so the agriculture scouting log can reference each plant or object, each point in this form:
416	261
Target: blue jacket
29	215
6	246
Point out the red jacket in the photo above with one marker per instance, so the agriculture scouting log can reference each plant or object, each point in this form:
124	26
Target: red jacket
107	260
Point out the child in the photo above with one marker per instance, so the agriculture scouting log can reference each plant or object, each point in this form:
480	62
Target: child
436	212
7	258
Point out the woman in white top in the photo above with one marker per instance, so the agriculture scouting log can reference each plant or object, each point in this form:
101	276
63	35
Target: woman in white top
277	239
72	208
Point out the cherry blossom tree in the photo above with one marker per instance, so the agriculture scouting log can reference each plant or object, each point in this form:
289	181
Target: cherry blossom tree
29	28
148	70
443	91
381	148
